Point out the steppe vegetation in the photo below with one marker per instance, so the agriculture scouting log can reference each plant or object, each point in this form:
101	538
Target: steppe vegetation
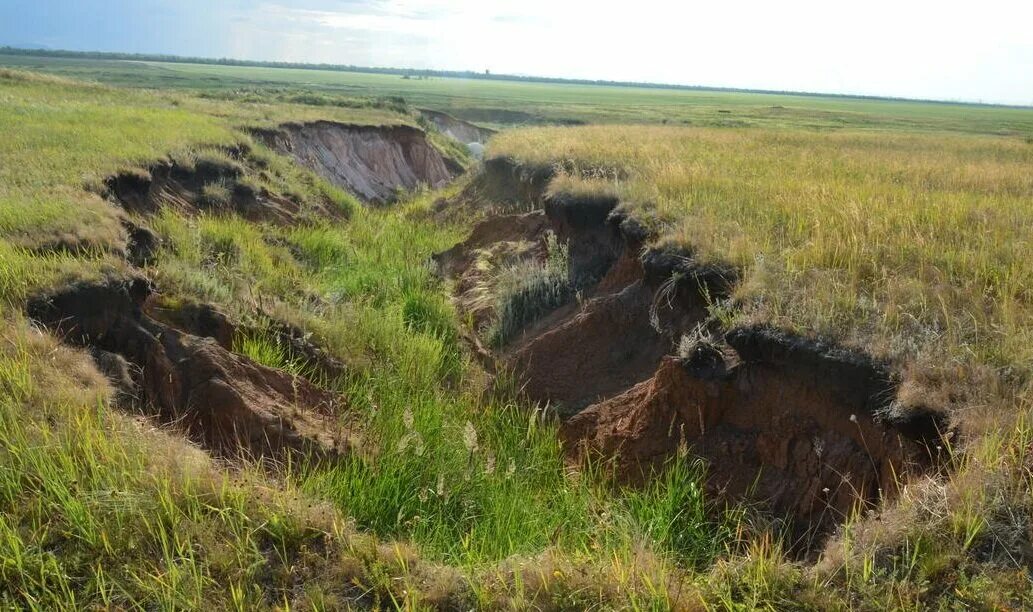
911	244
911	247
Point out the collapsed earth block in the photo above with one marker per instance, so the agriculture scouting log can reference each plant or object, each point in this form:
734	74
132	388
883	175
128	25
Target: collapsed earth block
183	374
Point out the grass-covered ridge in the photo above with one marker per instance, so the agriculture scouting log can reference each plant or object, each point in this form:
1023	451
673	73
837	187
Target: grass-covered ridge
910	244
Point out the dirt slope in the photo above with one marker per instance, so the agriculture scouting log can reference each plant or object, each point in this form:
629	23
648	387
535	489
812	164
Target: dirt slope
457	129
186	376
373	162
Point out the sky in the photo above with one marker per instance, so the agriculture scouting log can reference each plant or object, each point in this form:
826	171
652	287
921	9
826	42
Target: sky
944	49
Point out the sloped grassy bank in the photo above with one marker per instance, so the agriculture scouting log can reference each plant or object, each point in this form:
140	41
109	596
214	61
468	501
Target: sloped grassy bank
447	497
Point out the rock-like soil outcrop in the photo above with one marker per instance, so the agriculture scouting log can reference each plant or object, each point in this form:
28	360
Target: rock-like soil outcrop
373	162
796	424
457	129
176	366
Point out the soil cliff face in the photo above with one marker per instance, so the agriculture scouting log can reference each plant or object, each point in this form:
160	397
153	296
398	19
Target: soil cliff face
797	424
457	129
373	162
778	420
177	368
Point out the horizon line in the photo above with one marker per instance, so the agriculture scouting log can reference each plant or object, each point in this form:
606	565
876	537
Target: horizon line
467	74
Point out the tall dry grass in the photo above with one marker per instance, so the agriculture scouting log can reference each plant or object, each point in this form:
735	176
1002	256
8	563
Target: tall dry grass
911	245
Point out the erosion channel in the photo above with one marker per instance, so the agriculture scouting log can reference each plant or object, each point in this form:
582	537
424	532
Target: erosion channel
626	354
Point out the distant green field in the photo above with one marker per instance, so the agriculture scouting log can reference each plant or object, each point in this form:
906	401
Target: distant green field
512	102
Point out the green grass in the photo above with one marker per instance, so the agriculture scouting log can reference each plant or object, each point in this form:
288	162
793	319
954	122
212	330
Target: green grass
453	495
527	290
672	510
480	100
457	496
470	479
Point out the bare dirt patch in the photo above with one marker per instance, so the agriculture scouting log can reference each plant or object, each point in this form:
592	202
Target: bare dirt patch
183	374
373	162
205	186
787	422
457	129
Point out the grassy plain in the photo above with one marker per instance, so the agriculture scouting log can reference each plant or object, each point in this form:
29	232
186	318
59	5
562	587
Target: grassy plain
487	101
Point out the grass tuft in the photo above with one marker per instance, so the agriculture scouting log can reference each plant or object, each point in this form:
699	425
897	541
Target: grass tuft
527	290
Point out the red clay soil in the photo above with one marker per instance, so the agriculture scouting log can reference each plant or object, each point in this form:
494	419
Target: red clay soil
780	421
602	349
372	162
584	353
224	401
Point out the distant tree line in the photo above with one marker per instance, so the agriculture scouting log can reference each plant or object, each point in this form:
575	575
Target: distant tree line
413	73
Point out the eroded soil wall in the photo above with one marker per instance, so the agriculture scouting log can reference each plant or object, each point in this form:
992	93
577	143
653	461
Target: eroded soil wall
457	129
373	162
796	424
181	371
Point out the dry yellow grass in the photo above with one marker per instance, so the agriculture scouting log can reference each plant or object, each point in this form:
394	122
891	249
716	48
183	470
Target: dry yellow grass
911	245
915	247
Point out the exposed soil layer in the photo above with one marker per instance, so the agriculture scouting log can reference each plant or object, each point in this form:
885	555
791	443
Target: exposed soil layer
373	162
793	423
497	242
205	186
779	420
457	129
177	366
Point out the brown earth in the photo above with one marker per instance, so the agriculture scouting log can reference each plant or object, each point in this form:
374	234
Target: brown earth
780	421
373	162
457	129
504	183
585	353
183	374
